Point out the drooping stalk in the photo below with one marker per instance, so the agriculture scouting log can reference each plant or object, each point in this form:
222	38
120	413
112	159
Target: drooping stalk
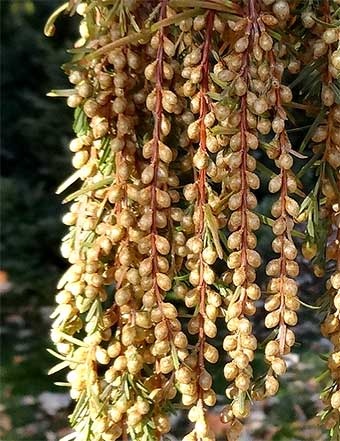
155	248
325	142
201	256
171	96
241	344
282	302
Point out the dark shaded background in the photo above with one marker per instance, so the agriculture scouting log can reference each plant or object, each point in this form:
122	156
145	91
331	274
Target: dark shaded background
35	160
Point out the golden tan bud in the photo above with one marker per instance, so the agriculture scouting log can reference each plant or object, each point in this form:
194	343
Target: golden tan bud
279	366
122	296
194	131
292	207
210	353
230	343
271	385
242	382
241	44
265	41
199	22
335	400
200	159
102	355
162	245
210	329
272	348
290	338
241	360
272	319
230	371
205	380
275	184
290	317
335	281
163	281
240	87
240	410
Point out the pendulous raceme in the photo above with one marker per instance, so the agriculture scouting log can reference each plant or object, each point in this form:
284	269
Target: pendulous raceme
185	115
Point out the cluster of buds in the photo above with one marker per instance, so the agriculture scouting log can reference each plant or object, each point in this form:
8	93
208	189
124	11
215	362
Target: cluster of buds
174	105
282	302
322	52
330	328
202	251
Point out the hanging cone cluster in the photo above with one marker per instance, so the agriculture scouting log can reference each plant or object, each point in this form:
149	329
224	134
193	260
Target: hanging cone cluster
183	109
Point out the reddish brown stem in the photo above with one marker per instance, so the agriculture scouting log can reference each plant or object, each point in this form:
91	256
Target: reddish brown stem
125	434
282	324
283	142
155	162
251	30
201	185
338	252
155	151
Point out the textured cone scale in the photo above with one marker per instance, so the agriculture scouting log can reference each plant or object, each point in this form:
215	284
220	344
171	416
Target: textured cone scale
185	116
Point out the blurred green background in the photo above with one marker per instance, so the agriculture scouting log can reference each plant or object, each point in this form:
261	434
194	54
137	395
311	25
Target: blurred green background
35	159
